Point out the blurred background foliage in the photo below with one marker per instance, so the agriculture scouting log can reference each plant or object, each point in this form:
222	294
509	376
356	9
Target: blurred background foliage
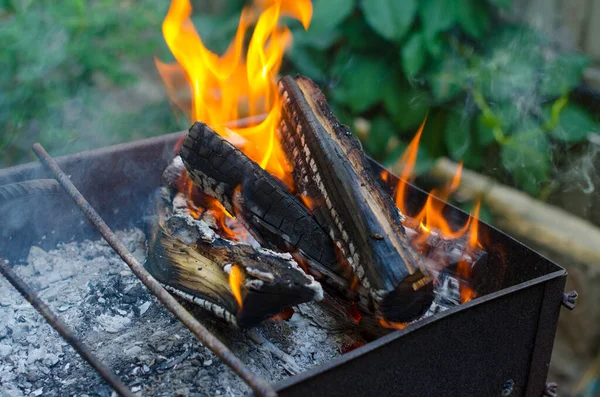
63	66
497	95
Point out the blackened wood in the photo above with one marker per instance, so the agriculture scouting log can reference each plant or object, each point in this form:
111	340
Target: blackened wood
274	216
194	262
331	168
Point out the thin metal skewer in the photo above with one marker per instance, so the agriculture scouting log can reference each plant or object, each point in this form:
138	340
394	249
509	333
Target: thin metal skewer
60	327
258	385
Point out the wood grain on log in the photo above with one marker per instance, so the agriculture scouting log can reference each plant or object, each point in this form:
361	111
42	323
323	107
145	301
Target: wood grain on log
275	217
332	170
195	263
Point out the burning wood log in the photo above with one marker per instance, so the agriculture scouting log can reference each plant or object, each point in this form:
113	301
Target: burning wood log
235	281
331	169
274	216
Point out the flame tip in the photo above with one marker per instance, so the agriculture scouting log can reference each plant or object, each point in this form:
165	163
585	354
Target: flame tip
236	278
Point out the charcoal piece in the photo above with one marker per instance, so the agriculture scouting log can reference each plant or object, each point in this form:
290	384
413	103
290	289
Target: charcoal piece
331	169
195	263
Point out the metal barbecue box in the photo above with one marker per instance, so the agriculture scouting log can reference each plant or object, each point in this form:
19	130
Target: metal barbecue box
498	344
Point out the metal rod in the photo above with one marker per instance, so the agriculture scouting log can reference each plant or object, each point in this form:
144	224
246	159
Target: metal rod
64	331
258	385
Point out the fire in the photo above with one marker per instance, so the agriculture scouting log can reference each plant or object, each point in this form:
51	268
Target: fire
387	324
236	278
237	84
430	218
308	202
464	269
197	204
285	315
236	94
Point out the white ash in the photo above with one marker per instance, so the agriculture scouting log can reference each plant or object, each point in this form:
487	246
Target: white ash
99	298
314	284
283	255
255	284
215	309
256	273
204	230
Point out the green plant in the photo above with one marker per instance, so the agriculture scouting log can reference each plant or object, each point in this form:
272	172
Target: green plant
59	60
497	95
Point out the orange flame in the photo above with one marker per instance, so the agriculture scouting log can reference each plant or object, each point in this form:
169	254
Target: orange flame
236	84
431	218
308	202
464	268
284	315
207	204
392	325
236	278
241	85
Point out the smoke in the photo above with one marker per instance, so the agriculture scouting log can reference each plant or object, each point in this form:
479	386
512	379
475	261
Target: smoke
580	173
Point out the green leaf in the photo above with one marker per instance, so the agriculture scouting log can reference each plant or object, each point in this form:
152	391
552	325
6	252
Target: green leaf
460	142
320	40
473	17
390	18
437	15
457	135
485	130
501	3
505	116
562	74
308	62
434	45
359	36
406	106
361	82
504	77
328	14
448	79
527	157
517	42
380	133
574	124
433	133
413	54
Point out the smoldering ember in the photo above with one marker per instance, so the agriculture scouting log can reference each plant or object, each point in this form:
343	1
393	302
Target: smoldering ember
307	267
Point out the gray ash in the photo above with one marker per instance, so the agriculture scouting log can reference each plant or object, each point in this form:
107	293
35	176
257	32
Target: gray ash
99	298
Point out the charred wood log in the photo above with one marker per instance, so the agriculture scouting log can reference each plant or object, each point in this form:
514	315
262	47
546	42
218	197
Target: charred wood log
332	170
233	280
274	216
